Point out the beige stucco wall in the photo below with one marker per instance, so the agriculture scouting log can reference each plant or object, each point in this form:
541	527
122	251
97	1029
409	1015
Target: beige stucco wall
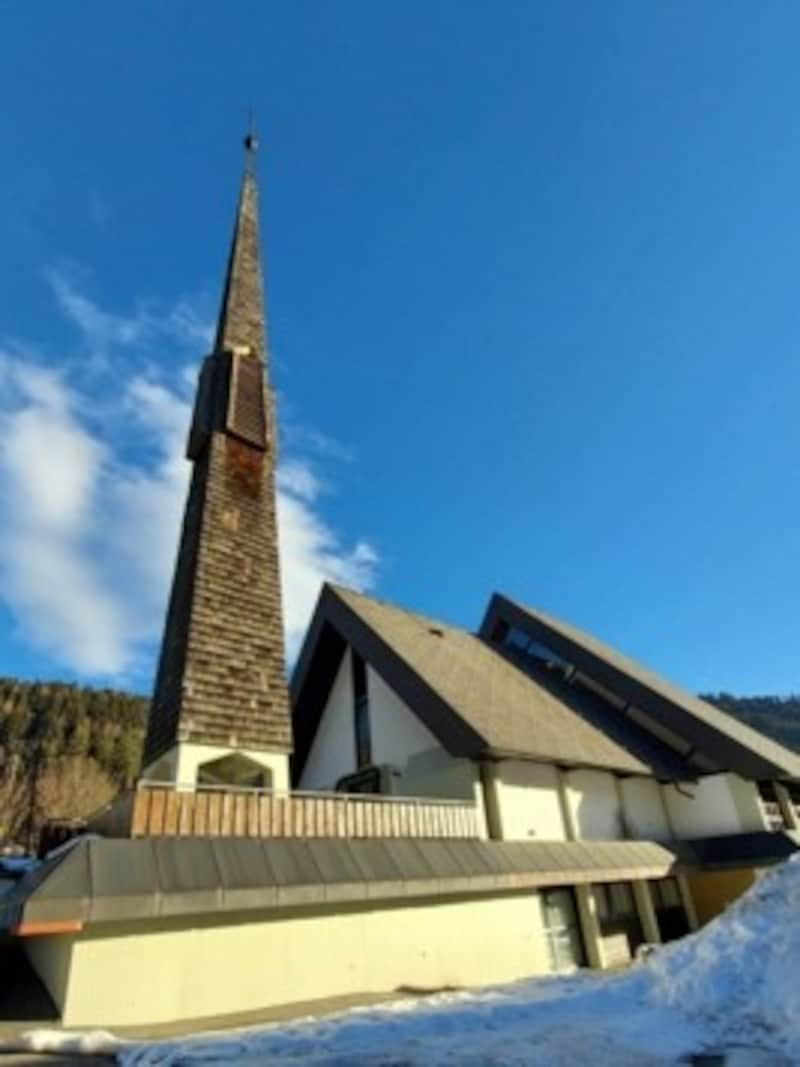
643	808
593	806
715	804
333	753
154	972
526	800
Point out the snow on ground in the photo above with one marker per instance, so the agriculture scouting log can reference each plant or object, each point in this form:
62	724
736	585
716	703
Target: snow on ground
734	987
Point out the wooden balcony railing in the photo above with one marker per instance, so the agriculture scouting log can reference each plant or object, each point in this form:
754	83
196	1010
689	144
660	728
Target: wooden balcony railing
156	809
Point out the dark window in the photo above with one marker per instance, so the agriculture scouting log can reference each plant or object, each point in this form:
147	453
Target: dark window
361	712
666	894
670	912
614	901
617	913
530	652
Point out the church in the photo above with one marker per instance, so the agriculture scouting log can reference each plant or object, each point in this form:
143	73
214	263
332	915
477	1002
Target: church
421	807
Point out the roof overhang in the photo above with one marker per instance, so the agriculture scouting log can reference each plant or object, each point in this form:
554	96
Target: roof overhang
684	714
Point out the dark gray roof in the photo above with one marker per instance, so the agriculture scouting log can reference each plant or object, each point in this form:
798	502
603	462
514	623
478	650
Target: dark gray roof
102	880
723	738
471	698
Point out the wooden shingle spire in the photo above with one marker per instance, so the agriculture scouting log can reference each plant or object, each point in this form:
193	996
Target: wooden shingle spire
221	680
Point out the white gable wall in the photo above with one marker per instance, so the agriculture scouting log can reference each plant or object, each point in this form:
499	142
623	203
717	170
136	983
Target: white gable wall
333	751
395	731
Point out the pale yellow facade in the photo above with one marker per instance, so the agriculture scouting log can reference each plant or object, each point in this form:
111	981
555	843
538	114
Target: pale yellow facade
162	971
525	800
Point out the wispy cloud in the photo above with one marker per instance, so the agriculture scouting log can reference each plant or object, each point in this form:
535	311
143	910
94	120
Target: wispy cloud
104	332
91	508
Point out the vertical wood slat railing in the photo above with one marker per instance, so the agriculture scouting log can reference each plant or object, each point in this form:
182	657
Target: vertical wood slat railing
168	811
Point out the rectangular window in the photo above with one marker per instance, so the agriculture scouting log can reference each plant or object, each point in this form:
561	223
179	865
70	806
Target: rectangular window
562	929
361	711
614	901
666	894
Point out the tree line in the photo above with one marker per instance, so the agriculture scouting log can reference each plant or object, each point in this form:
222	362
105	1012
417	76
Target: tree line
65	750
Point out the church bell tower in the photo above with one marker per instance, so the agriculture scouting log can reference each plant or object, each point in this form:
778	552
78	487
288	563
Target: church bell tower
220	709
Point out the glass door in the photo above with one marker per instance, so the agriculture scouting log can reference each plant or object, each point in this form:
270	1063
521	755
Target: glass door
562	929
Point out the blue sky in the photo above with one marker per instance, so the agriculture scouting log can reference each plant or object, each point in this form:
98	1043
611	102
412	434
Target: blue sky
532	286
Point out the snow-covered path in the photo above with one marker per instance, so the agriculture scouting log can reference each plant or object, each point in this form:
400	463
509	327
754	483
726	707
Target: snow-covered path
734	986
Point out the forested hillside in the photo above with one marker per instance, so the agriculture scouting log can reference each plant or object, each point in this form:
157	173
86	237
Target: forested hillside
65	750
778	717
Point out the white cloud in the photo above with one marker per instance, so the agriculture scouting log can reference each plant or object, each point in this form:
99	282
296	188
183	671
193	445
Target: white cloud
91	506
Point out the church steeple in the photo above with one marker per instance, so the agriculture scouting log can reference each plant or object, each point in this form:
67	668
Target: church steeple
220	708
241	315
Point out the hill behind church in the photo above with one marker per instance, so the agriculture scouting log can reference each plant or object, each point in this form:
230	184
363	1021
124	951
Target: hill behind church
65	749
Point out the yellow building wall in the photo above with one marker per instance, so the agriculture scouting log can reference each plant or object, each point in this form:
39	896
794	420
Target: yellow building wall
593	805
155	972
643	808
527	801
713	891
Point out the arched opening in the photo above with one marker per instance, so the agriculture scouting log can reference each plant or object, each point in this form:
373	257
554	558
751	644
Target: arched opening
234	769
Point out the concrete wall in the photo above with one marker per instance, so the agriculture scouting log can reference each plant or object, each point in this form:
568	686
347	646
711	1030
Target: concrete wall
715	804
526	801
593	806
333	752
177	971
643	809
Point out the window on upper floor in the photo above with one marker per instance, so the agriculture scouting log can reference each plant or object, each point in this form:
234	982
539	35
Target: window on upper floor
529	651
361	712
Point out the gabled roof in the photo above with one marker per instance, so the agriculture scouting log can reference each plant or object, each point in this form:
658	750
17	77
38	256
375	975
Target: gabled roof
472	699
727	741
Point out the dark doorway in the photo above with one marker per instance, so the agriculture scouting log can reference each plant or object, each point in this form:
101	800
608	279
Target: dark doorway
670	912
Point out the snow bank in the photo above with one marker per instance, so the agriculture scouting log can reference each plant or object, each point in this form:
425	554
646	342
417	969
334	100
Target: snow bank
734	986
740	975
